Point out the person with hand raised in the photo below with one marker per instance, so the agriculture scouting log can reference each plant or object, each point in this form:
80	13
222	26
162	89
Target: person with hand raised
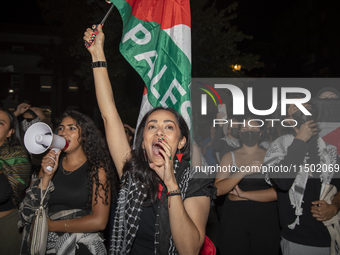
161	208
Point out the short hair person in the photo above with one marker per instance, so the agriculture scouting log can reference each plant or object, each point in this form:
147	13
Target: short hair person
300	211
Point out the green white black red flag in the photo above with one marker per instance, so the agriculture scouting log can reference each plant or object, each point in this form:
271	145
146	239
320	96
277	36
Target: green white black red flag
156	41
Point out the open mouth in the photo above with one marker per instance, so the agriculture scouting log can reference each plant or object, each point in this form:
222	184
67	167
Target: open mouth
156	148
68	140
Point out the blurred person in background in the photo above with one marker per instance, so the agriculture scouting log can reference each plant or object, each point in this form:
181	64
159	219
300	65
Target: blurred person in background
207	149
249	222
14	178
27	116
301	212
130	133
226	138
328	93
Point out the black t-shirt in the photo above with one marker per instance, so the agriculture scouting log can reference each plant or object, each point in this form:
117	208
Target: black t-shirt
144	241
70	189
309	231
6	193
253	182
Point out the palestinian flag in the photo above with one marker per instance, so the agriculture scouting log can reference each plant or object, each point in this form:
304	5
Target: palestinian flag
156	41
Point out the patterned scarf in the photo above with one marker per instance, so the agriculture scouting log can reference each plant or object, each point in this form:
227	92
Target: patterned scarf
278	150
66	243
129	209
15	164
26	124
57	243
235	143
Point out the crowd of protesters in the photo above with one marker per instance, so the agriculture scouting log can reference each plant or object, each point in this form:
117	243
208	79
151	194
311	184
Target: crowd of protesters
137	193
277	212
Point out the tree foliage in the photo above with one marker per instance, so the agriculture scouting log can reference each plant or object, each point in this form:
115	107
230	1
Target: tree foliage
214	46
69	20
214	42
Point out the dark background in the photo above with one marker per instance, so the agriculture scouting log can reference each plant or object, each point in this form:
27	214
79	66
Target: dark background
268	38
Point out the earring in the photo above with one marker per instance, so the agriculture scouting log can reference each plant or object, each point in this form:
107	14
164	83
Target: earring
179	155
145	156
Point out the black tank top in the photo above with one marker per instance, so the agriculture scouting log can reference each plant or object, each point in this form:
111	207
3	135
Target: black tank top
70	189
251	182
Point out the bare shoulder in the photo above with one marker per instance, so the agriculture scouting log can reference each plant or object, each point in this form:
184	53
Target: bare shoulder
226	159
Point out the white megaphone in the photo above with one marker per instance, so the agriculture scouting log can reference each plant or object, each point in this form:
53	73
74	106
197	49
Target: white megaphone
39	138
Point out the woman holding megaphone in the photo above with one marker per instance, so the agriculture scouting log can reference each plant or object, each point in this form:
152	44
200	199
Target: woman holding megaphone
78	190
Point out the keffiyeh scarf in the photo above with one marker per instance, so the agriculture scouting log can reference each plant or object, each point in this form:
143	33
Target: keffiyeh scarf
235	143
278	150
129	209
66	243
26	124
62	243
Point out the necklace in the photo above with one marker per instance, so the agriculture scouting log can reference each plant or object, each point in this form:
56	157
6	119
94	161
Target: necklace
65	172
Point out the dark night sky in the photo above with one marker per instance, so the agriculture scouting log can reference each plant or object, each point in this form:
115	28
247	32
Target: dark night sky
253	17
256	18
21	12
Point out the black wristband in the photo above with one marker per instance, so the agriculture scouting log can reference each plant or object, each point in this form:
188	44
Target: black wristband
99	64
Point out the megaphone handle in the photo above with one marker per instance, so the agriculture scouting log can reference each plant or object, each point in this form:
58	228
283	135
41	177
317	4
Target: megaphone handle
49	168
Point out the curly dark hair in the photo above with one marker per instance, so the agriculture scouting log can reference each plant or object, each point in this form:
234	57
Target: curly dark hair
15	138
97	155
139	168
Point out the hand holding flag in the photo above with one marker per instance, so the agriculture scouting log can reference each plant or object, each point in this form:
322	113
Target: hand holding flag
156	41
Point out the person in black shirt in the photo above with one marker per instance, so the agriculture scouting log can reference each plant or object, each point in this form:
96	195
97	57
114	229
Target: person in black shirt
299	186
249	217
161	208
222	144
78	190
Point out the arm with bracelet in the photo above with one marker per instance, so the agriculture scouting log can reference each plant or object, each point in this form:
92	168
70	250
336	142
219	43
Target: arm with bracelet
158	138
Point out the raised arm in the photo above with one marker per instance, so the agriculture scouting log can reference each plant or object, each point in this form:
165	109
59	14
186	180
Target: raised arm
115	134
21	108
